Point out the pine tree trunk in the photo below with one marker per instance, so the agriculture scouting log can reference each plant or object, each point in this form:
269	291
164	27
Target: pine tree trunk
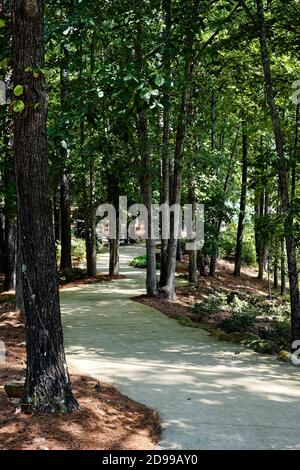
90	228
201	266
10	253
145	161
165	184
295	153
168	290
2	243
276	280
65	201
47	385
192	253
56	217
282	271
240	230
214	257
19	290
65	224
282	174
113	198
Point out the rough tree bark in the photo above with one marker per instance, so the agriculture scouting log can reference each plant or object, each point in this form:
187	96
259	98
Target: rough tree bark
168	289
47	386
295	153
213	259
65	200
240	230
165	183
113	198
90	222
65	221
192	253
145	160
282	174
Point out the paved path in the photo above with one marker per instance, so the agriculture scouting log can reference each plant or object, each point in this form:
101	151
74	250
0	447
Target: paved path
207	396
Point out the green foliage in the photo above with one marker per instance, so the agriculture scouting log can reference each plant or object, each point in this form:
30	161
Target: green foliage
18	90
78	249
18	106
141	262
242	317
228	244
243	311
280	333
69	275
210	305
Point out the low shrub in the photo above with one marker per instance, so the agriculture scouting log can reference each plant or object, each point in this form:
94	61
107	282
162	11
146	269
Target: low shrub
141	262
280	333
69	275
78	249
214	303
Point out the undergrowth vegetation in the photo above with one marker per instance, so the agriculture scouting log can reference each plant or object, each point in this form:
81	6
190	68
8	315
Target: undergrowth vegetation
248	313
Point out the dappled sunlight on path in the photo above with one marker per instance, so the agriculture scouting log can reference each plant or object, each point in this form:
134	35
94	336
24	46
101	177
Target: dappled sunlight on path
208	396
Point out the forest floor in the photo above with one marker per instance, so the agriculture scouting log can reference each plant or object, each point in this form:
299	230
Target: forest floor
107	420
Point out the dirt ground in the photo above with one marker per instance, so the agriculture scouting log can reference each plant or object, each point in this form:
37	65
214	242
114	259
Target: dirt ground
106	419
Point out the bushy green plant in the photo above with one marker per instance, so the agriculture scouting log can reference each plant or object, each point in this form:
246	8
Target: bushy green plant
238	323
214	303
228	245
68	275
243	316
78	249
280	333
248	253
141	262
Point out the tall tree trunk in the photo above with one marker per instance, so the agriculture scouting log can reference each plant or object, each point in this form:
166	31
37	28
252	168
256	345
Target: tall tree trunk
201	265
276	280
10	253
19	290
65	201
282	270
65	222
192	253
90	223
295	153
165	183
2	243
113	197
213	259
89	191
56	216
146	176
168	289
260	236
47	385
10	222
213	121
240	230
282	174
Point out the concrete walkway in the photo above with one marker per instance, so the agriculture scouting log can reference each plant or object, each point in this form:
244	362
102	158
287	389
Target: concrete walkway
207	396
